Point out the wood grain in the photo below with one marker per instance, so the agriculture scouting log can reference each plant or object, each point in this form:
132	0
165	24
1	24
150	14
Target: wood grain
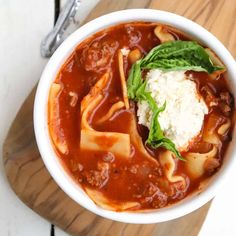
31	181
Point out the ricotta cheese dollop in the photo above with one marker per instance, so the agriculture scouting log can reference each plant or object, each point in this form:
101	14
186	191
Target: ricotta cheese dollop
183	117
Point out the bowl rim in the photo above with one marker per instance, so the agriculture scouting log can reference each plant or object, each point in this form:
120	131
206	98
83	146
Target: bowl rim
47	152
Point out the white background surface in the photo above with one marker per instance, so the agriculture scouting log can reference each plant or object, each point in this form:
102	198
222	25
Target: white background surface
23	24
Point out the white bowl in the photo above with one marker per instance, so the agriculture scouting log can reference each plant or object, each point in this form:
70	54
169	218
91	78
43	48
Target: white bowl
50	158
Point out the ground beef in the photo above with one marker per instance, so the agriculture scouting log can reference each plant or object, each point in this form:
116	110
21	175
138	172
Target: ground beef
98	56
225	96
97	178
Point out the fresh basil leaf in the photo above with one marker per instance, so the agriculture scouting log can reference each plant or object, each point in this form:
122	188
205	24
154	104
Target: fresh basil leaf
156	137
179	55
141	92
134	80
173	65
167	144
155	132
143	95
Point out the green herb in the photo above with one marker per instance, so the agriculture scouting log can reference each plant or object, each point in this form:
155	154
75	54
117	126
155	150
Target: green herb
179	55
134	80
156	137
170	56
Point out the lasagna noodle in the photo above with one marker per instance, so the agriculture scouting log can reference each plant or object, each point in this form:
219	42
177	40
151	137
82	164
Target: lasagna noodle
122	78
211	137
163	35
107	204
137	140
58	138
195	162
225	127
168	163
97	89
114	108
210	132
117	143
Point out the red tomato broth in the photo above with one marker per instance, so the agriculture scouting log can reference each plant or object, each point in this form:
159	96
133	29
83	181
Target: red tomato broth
135	178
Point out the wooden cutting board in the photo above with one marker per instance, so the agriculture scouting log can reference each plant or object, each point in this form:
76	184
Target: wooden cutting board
30	179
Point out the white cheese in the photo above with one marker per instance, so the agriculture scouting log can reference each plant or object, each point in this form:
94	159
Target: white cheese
183	117
125	51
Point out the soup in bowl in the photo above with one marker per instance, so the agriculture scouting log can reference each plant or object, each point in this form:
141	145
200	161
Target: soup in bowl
134	116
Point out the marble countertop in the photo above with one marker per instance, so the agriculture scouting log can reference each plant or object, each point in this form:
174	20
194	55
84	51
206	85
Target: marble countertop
23	24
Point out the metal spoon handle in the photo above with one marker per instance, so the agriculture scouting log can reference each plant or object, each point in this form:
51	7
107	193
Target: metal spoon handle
55	37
